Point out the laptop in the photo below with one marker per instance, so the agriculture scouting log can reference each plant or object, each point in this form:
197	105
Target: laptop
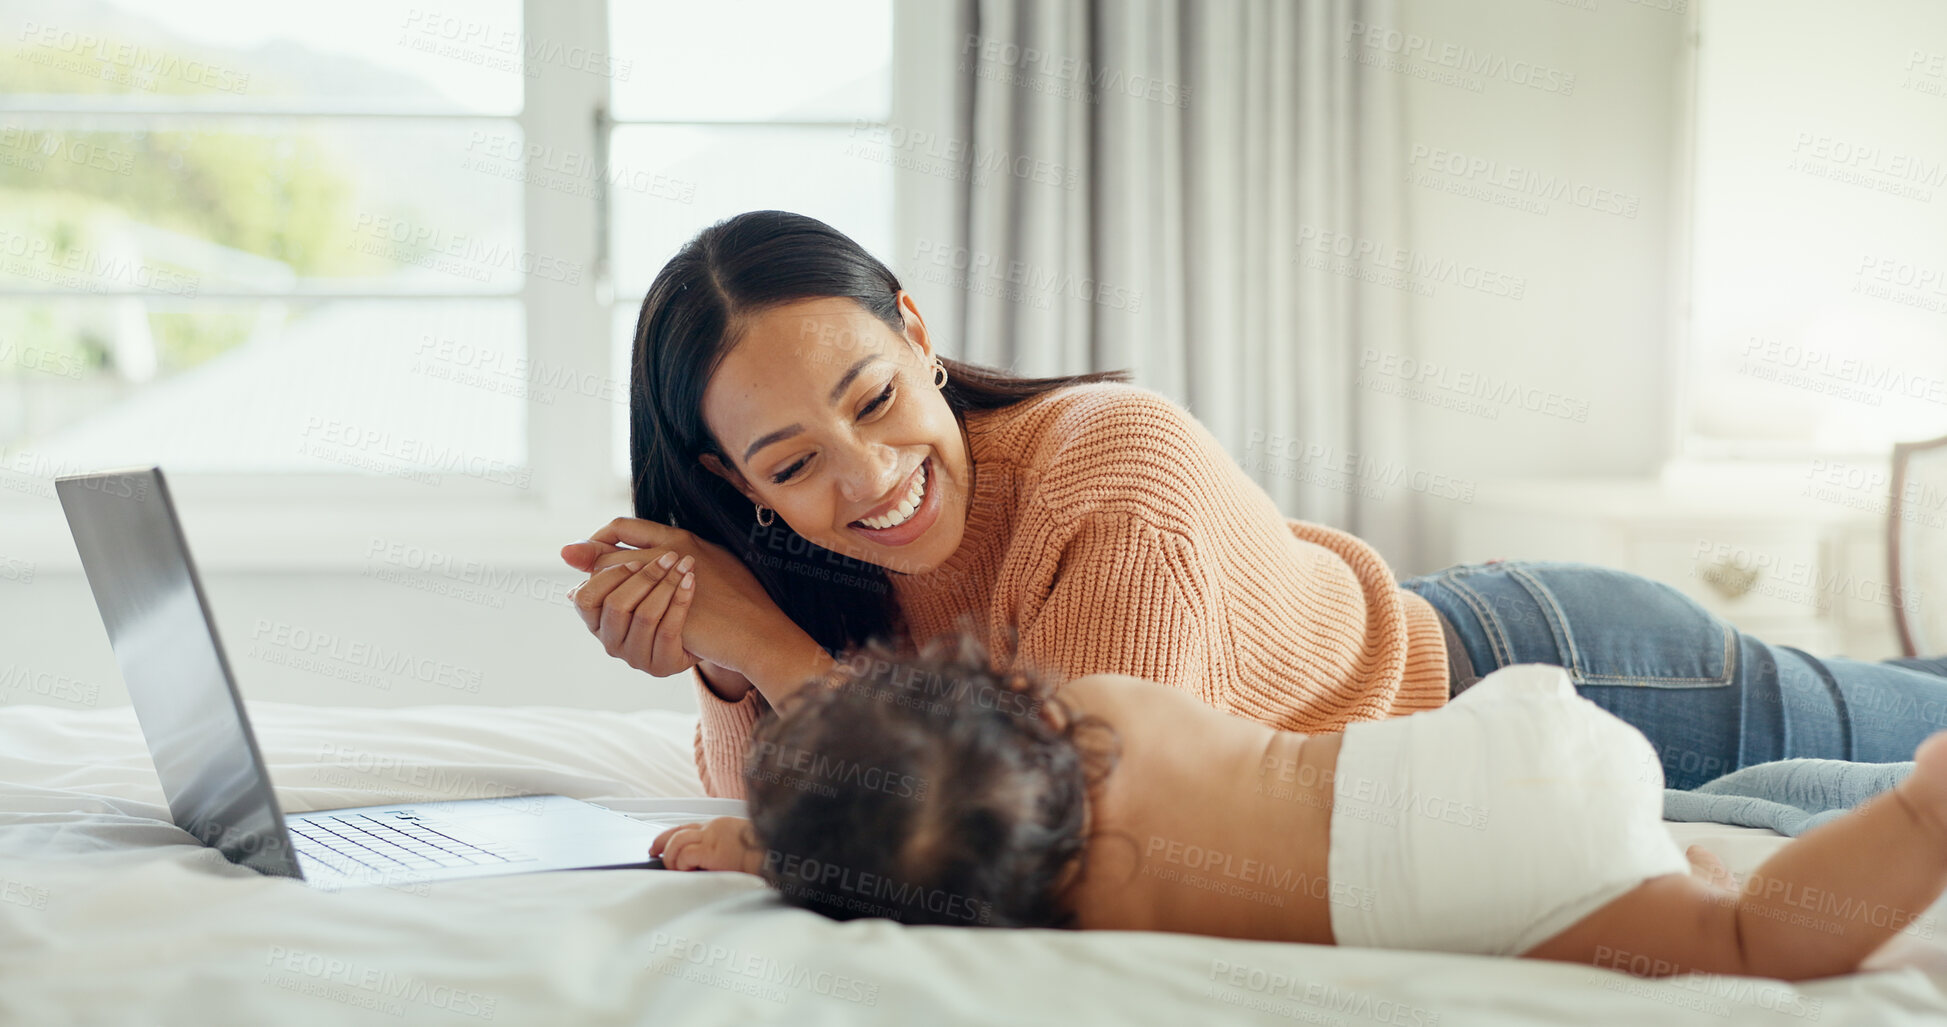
186	700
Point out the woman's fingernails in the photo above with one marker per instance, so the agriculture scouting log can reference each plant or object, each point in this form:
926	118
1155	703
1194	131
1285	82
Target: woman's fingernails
667	559
688	562
633	567
689	581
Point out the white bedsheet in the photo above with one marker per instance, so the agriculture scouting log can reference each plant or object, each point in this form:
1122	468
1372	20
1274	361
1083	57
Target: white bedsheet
110	915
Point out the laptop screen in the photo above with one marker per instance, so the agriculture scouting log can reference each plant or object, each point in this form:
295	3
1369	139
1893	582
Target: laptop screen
179	682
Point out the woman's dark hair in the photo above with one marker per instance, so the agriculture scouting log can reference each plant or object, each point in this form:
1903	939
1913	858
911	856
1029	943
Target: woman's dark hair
928	790
692	315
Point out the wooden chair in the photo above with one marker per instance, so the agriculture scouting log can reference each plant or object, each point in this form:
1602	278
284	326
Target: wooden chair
1916	545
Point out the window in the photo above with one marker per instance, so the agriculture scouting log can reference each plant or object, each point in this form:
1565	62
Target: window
1819	260
388	251
239	238
786	119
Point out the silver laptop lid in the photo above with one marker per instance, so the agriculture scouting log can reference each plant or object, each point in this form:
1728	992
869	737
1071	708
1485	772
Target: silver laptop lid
179	682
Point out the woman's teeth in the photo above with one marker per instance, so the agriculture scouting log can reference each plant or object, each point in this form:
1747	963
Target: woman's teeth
905	509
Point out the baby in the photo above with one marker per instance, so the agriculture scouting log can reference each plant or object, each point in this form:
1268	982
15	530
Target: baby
1520	819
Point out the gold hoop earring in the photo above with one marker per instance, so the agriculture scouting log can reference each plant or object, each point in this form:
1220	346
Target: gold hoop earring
939	375
761	512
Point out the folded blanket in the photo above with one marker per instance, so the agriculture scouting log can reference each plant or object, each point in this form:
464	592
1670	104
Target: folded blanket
1788	796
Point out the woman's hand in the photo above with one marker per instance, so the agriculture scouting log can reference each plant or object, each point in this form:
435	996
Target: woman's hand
638	609
725	843
648	619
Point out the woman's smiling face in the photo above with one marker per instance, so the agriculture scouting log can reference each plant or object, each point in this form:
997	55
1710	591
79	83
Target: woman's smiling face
830	417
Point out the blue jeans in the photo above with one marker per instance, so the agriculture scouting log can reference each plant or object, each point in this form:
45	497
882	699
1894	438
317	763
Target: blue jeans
1711	698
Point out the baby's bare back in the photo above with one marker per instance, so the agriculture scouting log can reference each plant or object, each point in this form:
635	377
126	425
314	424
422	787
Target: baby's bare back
1210	824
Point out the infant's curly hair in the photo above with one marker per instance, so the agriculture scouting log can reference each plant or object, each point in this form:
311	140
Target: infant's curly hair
927	788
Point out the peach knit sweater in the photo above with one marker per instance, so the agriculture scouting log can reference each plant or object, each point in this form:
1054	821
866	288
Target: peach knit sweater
1113	532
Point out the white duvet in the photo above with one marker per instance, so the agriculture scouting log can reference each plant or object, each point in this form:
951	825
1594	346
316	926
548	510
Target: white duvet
110	915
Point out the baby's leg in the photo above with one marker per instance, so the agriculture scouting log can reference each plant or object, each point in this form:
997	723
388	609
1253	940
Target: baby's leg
1817	907
1706	867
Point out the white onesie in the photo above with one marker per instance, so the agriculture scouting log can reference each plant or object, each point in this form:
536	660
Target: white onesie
1493	823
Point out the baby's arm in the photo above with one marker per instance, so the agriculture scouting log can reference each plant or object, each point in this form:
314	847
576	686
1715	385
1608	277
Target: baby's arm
1817	907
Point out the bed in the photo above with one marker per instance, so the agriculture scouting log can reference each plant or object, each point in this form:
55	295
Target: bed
111	915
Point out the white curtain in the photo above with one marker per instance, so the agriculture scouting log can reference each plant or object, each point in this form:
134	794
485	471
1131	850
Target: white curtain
1140	176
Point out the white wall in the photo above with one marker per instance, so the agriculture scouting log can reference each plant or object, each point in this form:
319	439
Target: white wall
1592	326
1821	228
335	639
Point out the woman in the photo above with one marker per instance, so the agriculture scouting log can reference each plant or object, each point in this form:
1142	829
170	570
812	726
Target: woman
819	476
1519	819
860	486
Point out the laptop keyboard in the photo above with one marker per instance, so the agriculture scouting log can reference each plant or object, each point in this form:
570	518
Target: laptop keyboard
393	842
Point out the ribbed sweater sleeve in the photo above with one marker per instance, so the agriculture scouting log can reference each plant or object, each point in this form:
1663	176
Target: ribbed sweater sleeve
723	737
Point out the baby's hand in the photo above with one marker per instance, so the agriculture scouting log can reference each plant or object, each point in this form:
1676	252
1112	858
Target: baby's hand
722	844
